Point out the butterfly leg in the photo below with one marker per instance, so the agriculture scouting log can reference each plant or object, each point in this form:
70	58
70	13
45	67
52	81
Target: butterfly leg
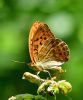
38	73
47	72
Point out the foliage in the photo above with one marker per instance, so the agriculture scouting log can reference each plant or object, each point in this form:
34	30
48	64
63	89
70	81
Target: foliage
64	17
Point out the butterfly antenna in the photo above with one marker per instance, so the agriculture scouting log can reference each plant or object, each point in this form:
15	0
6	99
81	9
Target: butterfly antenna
19	62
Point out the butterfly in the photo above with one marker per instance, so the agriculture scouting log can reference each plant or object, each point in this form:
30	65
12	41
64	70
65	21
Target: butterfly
46	50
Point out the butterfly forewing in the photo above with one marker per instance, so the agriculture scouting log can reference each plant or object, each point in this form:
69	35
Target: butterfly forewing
39	33
43	51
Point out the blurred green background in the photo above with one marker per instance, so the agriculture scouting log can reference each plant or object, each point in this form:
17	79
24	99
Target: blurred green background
64	17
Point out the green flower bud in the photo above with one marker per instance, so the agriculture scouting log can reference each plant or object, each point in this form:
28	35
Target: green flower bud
64	86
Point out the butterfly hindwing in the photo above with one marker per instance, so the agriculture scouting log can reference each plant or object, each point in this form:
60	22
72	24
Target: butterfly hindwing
59	51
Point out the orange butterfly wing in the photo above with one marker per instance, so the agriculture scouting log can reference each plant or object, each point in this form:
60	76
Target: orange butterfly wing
38	34
44	47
